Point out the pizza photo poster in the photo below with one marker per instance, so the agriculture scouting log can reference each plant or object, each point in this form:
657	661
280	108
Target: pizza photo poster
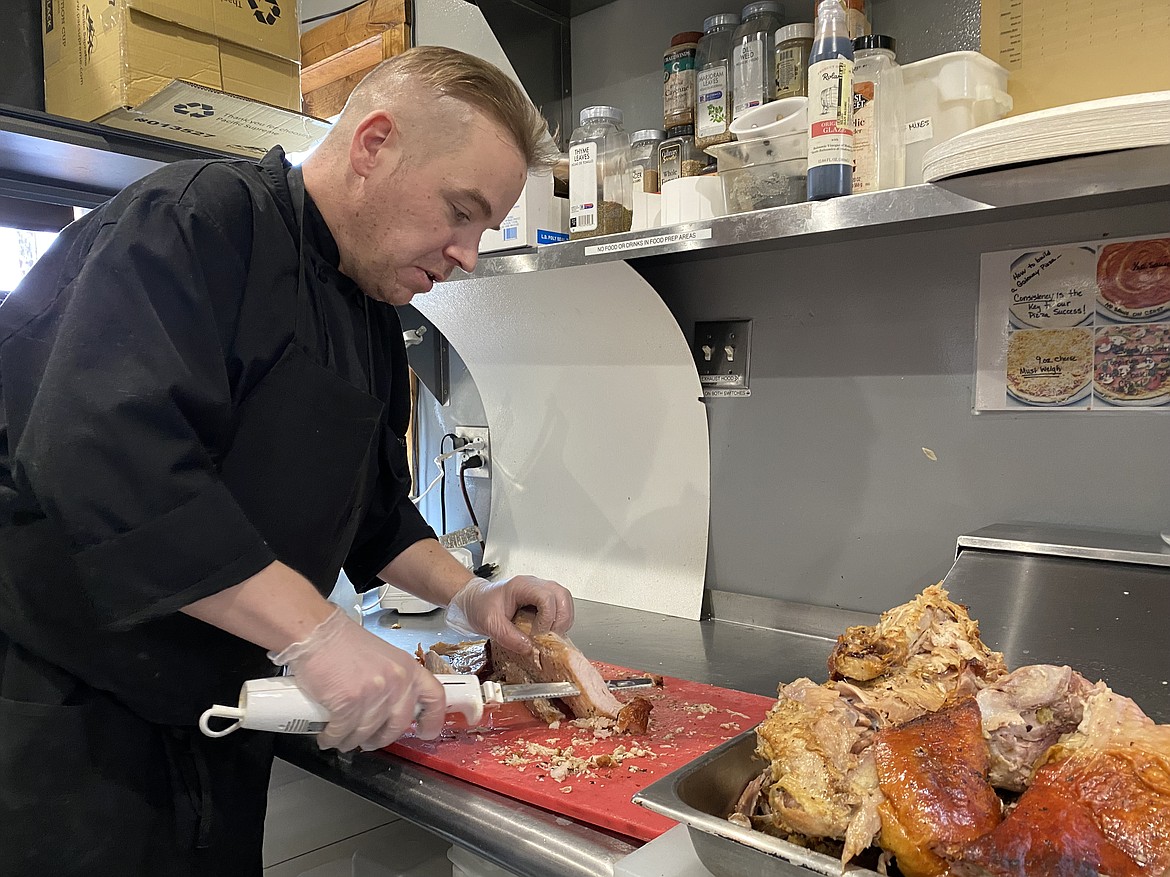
1083	326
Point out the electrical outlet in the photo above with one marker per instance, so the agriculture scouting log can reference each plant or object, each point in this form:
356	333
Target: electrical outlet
722	352
480	434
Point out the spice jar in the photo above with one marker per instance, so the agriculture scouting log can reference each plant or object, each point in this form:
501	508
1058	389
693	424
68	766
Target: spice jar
879	124
753	56
600	199
678	79
712	81
678	156
793	46
644	159
857	18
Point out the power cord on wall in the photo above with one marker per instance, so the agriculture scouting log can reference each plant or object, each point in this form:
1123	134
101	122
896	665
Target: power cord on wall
443	489
474	461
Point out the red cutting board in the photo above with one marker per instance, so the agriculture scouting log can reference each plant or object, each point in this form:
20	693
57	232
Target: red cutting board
688	719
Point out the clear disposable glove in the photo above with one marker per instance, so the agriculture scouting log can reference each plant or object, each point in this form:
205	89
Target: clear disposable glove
487	608
371	690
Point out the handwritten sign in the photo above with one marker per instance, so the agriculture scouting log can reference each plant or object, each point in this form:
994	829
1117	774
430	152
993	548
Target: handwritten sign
1053	288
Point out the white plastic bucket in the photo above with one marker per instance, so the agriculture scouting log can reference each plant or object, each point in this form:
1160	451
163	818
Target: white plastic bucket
947	95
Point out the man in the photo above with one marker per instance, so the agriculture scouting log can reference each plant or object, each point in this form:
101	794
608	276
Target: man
202	407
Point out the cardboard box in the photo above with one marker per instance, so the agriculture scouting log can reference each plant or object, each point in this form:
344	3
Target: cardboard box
104	55
371	19
201	116
1066	51
538	218
337	54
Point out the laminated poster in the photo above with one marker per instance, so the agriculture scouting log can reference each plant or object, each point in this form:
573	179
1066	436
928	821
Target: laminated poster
1082	326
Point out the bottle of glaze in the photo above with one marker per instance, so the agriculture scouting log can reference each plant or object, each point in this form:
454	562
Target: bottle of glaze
830	105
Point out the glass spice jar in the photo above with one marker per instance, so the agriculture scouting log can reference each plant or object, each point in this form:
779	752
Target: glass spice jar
644	159
678	79
678	156
857	18
793	46
713	101
753	56
600	199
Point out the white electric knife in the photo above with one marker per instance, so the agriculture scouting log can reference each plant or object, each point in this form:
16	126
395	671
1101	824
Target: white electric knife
278	704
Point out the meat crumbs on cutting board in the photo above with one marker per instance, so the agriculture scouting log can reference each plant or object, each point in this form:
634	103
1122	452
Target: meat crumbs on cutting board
561	762
578	757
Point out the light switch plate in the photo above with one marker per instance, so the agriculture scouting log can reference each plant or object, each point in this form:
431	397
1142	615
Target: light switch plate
722	351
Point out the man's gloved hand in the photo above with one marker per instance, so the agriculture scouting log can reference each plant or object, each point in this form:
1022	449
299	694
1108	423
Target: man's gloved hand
370	688
487	608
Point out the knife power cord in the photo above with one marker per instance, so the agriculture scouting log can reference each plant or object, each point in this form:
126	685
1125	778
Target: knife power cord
443	489
470	447
474	461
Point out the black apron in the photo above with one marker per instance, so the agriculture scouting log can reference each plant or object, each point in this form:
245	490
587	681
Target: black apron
102	771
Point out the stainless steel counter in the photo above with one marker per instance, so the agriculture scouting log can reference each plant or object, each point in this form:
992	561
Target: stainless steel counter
1097	602
528	840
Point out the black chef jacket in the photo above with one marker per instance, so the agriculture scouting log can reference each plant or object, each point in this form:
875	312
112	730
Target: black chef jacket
130	358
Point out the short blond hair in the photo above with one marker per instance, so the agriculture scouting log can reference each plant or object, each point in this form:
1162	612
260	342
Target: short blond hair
474	82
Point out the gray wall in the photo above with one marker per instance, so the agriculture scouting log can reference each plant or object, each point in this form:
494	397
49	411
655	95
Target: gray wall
617	49
863	355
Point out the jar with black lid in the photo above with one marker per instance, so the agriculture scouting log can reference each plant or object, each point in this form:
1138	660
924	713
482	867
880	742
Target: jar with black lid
678	156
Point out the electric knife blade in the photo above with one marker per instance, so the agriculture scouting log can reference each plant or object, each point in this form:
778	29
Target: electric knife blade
548	690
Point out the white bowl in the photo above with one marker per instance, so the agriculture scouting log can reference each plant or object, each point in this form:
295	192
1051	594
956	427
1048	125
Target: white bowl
788	115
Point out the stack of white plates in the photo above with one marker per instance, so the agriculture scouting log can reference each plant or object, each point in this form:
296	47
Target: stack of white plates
1125	122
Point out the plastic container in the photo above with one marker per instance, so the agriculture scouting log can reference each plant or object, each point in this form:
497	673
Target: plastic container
946	95
753	56
793	47
644	159
762	173
879	126
689	199
600	198
678	79
465	864
713	99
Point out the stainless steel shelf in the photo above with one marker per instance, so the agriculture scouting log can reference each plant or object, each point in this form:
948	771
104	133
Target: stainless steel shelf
63	161
1111	179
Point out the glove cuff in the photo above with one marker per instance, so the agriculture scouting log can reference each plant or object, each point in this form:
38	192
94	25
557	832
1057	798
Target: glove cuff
458	610
322	633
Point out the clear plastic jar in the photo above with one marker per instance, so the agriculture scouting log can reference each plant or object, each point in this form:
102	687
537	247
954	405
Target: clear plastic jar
644	159
879	128
857	18
600	196
678	156
793	46
678	79
753	56
713	100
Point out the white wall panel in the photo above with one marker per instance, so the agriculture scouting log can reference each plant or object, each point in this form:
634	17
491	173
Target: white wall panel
599	441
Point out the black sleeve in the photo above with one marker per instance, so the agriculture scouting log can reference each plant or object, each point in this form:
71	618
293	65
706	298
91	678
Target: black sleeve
134	407
392	523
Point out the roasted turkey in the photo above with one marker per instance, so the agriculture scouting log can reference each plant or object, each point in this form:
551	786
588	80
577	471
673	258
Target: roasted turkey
919	726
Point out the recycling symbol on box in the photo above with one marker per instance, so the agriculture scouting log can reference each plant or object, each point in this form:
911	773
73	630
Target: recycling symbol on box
268	17
195	110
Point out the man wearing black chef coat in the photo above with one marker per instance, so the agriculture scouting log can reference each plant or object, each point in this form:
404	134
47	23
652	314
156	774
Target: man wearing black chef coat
203	398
